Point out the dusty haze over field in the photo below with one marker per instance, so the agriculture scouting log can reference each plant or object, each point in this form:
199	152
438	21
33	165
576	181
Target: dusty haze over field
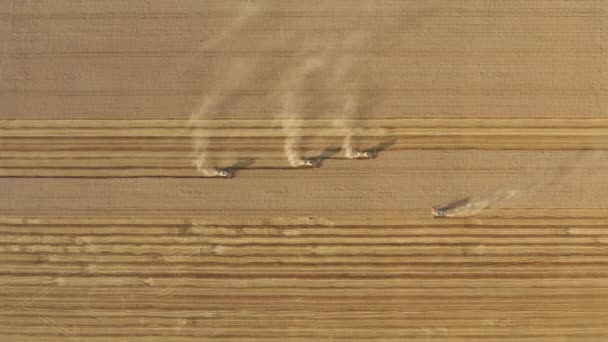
156	179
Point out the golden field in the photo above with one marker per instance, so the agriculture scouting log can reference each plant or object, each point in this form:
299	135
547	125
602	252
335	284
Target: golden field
116	117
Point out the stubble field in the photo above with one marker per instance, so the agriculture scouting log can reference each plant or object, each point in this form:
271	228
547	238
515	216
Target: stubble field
116	117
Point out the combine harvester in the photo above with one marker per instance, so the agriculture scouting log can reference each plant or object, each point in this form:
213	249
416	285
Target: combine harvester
225	173
365	155
219	173
302	163
440	212
308	163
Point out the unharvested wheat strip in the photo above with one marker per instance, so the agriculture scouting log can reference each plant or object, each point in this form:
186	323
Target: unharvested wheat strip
564	241
17	335
468	257
93	161
317	249
392	222
254	337
470	321
159	132
491	218
193	259
318	143
462	261
327	144
400	232
415	334
380	303
143	145
175	166
525	233
336	250
66	220
160	145
241	142
419	332
508	217
297	234
355	231
405	292
85	257
101	173
152	145
357	270
217	123
142	123
121	171
78	280
281	271
183	141
323	132
411	250
296	240
531	254
238	141
324	317
519	217
181	302
257	333
96	154
312	231
287	305
377	301
168	325
172	168
99	163
375	247
94	169
469	245
314	123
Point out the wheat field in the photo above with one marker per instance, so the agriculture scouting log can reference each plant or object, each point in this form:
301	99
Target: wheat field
482	216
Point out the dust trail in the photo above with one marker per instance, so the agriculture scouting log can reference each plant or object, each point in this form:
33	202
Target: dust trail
246	14
345	124
472	207
550	179
292	126
346	75
199	133
291	122
558	173
200	139
344	66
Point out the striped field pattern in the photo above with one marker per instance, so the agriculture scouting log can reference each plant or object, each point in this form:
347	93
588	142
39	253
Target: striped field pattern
114	115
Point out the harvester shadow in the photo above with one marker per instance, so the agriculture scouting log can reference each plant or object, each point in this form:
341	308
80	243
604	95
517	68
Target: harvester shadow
243	163
327	153
376	149
454	205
